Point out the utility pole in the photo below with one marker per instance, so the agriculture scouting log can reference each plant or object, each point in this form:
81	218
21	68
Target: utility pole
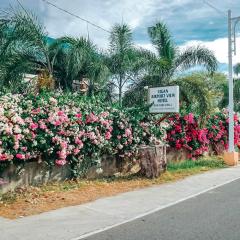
231	156
230	85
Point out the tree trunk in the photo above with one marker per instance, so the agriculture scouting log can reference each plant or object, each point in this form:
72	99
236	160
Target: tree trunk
152	161
120	91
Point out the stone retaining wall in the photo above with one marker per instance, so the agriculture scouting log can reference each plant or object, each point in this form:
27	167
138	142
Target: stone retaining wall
34	173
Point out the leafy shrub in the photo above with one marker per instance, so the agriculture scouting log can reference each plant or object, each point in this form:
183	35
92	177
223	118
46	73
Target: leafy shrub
217	126
184	133
62	128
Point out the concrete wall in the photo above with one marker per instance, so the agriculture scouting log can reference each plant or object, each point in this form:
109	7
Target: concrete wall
34	173
176	155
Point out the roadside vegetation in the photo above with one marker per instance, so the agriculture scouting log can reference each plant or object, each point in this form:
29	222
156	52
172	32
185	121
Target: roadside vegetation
34	200
47	118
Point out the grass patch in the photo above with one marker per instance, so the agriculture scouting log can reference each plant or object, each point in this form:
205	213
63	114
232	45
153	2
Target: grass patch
206	162
34	200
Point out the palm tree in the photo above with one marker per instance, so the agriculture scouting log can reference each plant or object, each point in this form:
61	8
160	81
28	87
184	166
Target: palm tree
25	45
236	95
12	64
236	69
169	60
27	48
76	58
124	60
200	93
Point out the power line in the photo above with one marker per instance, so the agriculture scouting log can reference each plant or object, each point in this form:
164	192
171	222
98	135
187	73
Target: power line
76	16
215	8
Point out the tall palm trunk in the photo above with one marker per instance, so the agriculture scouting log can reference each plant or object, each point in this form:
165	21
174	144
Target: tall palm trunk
120	90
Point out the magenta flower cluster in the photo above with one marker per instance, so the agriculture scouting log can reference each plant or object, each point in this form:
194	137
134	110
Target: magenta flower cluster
185	133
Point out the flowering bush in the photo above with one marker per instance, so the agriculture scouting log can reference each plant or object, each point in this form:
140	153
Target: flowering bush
184	133
217	126
67	130
62	128
134	127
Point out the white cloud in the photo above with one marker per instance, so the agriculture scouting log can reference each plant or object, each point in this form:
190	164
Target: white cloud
137	13
219	47
103	13
187	19
147	46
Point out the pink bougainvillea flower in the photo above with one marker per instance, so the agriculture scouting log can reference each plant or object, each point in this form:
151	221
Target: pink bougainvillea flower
36	111
24	149
33	126
108	135
17	137
76	151
63	144
189	118
33	135
3	157
20	156
78	115
91	118
60	113
43	126
235	117
57	123
178	145
128	132
91	135
104	114
79	143
60	162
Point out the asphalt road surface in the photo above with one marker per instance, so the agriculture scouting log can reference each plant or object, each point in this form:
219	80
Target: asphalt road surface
214	215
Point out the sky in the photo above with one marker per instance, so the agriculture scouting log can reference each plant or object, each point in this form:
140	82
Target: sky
191	22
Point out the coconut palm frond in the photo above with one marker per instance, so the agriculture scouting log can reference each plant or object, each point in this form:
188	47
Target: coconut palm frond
162	41
24	39
195	95
121	38
78	57
194	56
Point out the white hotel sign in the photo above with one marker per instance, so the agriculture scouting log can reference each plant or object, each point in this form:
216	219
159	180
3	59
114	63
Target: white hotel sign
164	99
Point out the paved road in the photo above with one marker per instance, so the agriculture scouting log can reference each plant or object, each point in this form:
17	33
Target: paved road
214	215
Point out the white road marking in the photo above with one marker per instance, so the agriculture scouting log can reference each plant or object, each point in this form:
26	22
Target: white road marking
152	211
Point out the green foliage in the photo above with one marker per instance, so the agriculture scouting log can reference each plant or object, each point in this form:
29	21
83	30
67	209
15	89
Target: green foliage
200	93
208	162
124	61
223	103
194	56
168	60
236	69
24	49
77	58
